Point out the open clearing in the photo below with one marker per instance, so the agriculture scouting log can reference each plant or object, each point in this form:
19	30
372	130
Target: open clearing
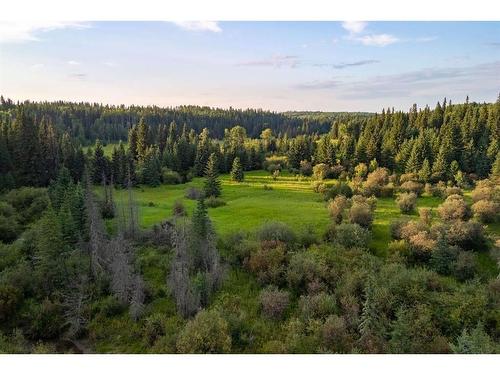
248	205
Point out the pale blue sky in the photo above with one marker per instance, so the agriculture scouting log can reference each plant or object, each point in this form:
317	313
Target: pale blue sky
330	66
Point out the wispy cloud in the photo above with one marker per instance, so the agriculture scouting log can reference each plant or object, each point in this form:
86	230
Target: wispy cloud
354	27
493	44
277	61
319	85
378	40
110	64
19	32
356	33
425	39
211	26
73	62
344	65
78	76
449	80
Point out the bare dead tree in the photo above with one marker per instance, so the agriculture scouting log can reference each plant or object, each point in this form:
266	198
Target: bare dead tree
179	281
97	235
74	300
137	302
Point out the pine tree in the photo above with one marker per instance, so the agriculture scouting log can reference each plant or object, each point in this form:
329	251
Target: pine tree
99	164
237	171
212	183
49	152
142	139
425	172
25	150
151	167
132	141
440	168
202	152
495	168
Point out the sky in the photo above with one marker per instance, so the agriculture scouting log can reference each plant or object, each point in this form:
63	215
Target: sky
278	66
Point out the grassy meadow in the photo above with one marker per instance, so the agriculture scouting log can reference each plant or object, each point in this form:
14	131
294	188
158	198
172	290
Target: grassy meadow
248	205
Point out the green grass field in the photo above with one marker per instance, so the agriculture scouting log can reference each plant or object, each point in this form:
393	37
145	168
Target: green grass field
249	205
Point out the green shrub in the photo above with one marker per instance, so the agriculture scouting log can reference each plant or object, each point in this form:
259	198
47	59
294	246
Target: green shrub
465	268
9	229
361	213
319	187
9	300
398	247
407	202
396	227
305	168
412	187
336	208
468	235
154	327
29	203
208	332
352	235
486	211
454	208
276	231
214	202
268	263
46	320
171	177
340	188
317	305
110	306
193	193
304	269
273	302
178	209
375	181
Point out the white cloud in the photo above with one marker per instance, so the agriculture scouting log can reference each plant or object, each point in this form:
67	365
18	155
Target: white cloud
379	40
354	27
199	26
73	62
19	32
109	63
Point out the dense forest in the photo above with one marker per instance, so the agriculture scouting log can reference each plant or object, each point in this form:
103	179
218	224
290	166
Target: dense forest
81	272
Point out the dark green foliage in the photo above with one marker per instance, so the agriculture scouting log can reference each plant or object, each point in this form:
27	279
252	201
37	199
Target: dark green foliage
150	167
99	164
340	188
237	171
277	232
212	183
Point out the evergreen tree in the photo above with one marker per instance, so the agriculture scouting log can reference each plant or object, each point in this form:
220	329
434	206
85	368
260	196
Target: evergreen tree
49	152
237	171
202	152
440	168
151	167
212	183
132	141
475	342
425	172
142	139
99	164
25	150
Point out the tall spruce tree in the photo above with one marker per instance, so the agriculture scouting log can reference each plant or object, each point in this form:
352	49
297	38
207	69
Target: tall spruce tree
237	171
212	186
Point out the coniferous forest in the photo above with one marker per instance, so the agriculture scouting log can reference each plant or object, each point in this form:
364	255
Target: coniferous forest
131	229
